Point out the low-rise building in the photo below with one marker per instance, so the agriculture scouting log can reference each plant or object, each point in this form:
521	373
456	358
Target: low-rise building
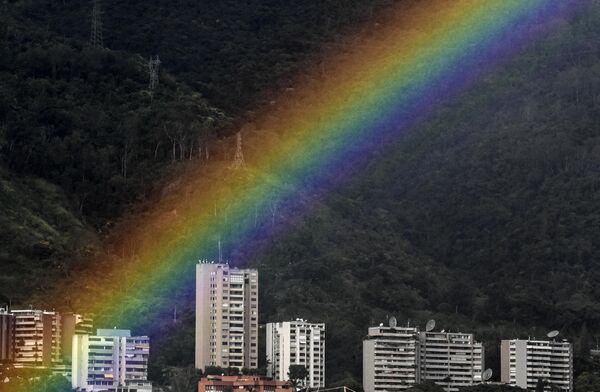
110	360
243	384
525	361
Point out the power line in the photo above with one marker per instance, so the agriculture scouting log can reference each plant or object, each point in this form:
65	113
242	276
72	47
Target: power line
96	32
238	160
153	65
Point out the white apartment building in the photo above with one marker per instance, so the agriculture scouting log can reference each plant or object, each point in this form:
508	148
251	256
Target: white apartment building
112	360
37	338
452	360
296	343
390	359
524	362
226	316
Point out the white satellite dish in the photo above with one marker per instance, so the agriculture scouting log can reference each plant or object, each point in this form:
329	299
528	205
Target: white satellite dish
430	326
487	374
553	334
393	322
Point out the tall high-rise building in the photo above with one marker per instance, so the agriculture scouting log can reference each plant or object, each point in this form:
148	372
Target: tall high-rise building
7	335
525	362
110	360
390	359
453	360
226	316
37	338
296	343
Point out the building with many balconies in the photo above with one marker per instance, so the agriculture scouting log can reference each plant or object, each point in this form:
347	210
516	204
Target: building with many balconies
453	360
111	360
396	358
524	362
296	343
390	359
37	338
226	316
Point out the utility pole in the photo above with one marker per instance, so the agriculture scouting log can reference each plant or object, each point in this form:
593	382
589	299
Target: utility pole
96	32
238	159
153	65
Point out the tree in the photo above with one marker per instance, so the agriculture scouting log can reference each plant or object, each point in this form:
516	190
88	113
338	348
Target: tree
587	382
297	375
184	379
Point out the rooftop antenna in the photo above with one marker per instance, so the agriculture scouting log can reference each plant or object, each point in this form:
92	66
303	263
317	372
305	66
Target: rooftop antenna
430	326
96	33
393	322
220	252
487	374
238	160
153	65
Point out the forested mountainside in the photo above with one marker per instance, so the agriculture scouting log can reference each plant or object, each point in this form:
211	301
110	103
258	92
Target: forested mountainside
228	50
485	217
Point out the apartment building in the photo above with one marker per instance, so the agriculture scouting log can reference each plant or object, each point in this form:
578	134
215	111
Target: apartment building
37	338
453	360
390	359
226	316
111	360
296	343
525	361
7	335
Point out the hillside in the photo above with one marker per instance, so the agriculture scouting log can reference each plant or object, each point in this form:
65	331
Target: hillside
485	217
40	232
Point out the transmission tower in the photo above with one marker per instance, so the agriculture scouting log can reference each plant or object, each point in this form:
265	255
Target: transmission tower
153	65
238	159
96	33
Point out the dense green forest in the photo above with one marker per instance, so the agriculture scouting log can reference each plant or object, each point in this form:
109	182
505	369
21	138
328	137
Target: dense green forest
485	217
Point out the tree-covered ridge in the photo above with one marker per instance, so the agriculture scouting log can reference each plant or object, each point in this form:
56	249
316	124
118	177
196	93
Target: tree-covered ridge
484	218
85	119
227	50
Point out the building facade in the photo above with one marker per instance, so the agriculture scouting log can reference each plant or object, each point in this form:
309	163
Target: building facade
453	360
524	362
396	358
7	335
296	343
111	360
37	338
243	383
390	359
226	316
72	324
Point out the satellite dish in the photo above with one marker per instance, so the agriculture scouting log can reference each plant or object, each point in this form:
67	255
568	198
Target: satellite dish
430	326
393	322
487	374
553	334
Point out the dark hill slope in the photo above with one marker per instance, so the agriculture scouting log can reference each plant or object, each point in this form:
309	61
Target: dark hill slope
500	190
40	231
229	50
485	217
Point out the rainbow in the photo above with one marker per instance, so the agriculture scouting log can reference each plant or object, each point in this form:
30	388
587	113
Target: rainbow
374	87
